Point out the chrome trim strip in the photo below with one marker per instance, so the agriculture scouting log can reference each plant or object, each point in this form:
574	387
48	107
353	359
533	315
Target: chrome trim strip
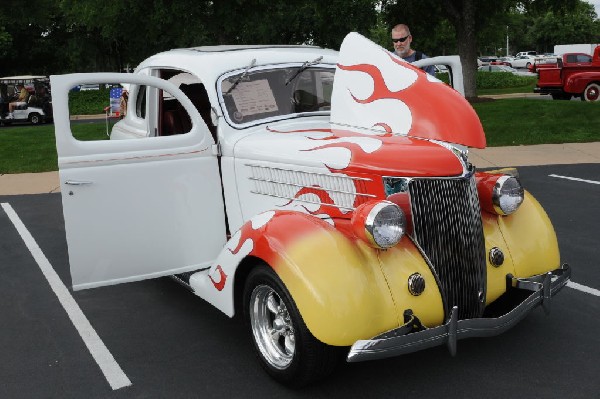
402	341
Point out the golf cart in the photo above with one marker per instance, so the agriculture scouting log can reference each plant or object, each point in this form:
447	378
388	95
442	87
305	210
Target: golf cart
38	106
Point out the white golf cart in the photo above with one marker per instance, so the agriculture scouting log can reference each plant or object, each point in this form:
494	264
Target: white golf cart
38	108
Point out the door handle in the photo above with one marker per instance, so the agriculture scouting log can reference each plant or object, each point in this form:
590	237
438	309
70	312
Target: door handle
77	182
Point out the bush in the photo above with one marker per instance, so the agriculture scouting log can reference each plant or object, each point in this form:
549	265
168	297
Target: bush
501	80
497	80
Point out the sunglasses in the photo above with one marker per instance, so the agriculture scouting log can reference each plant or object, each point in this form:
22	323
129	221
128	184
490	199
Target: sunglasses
401	40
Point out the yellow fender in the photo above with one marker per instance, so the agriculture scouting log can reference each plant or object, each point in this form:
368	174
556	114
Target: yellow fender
344	289
528	241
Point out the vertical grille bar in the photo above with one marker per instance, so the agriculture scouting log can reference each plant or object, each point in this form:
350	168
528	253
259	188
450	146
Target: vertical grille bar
447	226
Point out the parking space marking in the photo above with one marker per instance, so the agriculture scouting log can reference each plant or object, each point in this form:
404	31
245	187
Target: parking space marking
583	288
105	360
575	179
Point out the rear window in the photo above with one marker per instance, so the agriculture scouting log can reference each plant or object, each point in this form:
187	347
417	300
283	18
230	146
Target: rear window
579	58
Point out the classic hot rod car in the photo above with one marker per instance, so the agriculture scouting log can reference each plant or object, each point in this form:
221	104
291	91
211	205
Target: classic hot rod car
327	197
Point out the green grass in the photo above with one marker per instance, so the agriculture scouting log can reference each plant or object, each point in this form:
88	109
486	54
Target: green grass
28	149
506	122
528	121
90	102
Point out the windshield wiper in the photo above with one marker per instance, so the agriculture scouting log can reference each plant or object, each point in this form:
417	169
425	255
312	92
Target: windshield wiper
302	68
242	76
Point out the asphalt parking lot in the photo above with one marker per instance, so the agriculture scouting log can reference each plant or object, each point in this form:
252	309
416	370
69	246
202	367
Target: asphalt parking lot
169	343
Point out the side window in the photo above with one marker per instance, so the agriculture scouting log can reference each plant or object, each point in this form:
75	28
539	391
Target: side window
140	102
174	118
107	113
571	58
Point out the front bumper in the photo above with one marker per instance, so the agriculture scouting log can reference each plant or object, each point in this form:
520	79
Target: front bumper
412	336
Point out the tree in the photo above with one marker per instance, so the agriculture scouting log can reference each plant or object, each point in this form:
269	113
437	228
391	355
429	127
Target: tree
577	25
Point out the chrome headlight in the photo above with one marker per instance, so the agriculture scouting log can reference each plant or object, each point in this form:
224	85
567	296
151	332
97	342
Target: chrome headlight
507	195
381	224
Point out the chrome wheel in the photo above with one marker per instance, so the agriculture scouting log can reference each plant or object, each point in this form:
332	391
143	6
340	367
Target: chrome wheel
272	327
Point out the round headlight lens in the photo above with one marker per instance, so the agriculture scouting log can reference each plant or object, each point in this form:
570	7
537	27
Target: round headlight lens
508	195
385	225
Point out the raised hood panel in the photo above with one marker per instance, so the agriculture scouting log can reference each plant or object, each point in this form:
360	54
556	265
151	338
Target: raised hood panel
349	151
375	89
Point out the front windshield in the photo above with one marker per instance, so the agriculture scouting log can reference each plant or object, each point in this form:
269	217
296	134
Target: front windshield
273	93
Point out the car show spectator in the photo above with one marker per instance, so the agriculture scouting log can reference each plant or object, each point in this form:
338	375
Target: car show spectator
21	100
402	39
123	103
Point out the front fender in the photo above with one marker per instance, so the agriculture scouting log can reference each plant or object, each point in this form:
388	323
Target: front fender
531	239
528	241
344	289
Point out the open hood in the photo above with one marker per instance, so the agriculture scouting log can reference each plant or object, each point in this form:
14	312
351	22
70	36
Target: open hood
375	89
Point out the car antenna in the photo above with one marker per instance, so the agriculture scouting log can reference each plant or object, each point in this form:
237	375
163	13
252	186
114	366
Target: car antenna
242	76
302	68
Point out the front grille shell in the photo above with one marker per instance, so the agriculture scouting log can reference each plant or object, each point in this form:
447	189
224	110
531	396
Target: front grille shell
447	227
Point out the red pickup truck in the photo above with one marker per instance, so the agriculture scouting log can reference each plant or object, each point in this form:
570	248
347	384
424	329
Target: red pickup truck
574	74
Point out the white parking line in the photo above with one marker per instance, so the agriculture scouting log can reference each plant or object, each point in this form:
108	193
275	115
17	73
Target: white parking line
583	288
105	360
576	179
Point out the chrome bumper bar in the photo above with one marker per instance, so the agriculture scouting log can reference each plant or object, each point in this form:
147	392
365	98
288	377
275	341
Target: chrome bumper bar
413	337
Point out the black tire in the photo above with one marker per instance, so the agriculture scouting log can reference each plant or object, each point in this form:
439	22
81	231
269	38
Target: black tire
310	359
528	65
35	118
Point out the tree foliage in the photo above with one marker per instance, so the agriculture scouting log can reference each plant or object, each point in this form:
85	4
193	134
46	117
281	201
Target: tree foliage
60	36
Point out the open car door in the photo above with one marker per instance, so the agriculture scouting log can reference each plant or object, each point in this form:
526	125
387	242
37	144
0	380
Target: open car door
141	207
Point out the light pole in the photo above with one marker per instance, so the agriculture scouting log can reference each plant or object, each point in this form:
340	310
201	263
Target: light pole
507	41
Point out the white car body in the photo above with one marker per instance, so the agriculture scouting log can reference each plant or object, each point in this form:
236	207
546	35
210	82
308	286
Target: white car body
522	53
523	61
504	68
191	158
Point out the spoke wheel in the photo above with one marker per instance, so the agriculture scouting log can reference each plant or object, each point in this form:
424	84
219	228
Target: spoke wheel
271	326
283	344
592	92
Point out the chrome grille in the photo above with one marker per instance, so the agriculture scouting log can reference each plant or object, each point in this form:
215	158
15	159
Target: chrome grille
447	227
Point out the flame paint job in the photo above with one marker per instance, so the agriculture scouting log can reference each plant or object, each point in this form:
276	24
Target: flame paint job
344	289
385	121
390	156
375	89
220	284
